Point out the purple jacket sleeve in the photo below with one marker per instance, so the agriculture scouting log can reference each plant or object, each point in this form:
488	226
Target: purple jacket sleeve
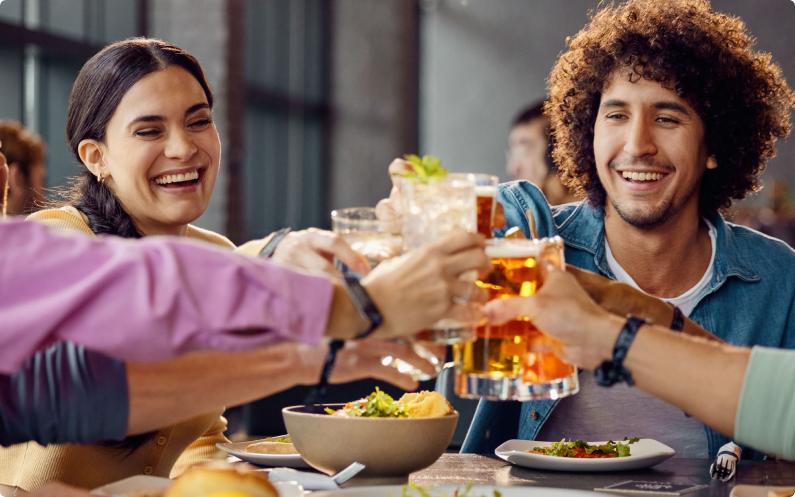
148	299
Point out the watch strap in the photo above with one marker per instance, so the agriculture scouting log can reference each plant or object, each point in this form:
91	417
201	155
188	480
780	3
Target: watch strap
613	371
362	302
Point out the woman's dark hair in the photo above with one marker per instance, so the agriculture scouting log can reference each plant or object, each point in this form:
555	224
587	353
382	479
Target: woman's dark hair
101	84
706	57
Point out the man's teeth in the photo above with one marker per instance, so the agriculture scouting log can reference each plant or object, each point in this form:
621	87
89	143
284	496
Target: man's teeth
177	178
636	176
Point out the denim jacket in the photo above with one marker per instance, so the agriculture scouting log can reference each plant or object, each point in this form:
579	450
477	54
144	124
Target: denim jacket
750	300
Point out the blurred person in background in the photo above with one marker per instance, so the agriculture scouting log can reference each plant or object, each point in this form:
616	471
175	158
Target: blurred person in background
25	153
529	154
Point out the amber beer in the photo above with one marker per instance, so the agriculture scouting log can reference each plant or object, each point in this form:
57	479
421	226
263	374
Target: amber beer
514	361
486	196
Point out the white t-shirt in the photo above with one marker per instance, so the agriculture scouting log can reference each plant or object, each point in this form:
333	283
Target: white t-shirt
688	300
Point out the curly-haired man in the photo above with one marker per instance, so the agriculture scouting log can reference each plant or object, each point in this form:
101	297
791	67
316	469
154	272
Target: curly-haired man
662	114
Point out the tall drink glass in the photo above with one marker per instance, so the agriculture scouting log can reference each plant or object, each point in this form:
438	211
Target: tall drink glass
515	360
432	209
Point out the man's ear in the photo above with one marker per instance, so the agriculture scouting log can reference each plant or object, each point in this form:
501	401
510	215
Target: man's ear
712	162
90	152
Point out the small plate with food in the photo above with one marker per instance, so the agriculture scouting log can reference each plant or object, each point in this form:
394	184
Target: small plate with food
272	451
578	455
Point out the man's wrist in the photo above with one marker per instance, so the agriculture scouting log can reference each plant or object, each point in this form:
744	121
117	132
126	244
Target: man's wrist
606	331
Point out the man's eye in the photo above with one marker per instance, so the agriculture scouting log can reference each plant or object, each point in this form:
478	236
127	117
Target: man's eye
616	116
667	120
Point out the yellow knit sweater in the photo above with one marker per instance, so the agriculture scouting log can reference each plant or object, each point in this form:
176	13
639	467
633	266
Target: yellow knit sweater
168	453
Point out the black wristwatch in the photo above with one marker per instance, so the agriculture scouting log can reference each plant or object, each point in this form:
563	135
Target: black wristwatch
362	302
613	371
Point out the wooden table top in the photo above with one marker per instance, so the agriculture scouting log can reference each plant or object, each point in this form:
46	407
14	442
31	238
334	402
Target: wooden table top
454	469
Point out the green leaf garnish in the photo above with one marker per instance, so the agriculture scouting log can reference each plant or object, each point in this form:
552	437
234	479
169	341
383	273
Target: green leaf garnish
425	168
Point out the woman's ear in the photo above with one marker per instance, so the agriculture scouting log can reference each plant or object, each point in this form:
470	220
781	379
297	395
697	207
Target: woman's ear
90	152
712	162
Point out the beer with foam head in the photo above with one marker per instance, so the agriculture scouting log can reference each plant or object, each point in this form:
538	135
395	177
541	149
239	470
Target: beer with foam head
486	194
514	361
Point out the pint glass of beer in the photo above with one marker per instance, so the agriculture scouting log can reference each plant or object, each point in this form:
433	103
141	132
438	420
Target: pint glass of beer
515	360
486	195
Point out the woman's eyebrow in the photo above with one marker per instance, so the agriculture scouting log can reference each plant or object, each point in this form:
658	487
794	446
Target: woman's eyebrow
155	118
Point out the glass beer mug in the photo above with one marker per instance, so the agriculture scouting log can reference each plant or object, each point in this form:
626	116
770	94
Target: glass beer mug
515	360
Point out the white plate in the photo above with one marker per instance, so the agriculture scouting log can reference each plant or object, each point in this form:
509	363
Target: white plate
645	452
238	449
157	484
758	491
448	491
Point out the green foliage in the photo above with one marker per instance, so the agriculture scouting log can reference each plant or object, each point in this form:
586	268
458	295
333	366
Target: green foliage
425	168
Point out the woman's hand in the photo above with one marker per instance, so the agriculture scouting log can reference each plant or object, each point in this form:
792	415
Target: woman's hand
563	310
314	250
417	289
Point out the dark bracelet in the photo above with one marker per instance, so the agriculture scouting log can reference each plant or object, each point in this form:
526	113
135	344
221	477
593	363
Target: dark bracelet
319	391
276	238
362	301
611	372
678	321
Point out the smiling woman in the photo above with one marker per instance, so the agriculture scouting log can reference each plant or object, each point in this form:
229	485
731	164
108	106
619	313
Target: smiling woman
140	121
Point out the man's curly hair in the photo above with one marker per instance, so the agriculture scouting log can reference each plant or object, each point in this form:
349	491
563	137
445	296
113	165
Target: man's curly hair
706	57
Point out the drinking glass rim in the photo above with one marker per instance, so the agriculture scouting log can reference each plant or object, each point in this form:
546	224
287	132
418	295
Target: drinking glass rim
374	224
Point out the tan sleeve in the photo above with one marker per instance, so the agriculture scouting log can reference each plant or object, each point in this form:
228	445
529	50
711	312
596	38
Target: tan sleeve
65	220
202	449
254	247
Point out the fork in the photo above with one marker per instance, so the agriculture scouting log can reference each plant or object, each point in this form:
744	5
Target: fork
725	464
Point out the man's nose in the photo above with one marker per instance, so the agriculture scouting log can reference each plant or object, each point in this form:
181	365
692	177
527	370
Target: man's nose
639	139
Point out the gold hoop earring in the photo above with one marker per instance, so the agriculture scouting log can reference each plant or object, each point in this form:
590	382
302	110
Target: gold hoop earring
100	179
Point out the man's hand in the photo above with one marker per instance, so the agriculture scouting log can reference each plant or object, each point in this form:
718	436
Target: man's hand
563	310
622	299
390	209
417	289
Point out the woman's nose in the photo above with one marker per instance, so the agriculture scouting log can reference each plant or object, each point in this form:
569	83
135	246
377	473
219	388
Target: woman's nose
180	146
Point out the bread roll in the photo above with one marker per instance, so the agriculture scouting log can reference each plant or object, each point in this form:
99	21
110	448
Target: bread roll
221	481
781	493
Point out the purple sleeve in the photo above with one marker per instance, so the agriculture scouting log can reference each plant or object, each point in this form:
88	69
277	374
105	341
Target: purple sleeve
149	299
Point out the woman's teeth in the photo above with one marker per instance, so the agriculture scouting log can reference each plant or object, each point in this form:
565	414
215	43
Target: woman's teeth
177	178
636	176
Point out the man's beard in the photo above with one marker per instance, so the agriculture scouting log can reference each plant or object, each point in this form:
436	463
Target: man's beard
646	218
